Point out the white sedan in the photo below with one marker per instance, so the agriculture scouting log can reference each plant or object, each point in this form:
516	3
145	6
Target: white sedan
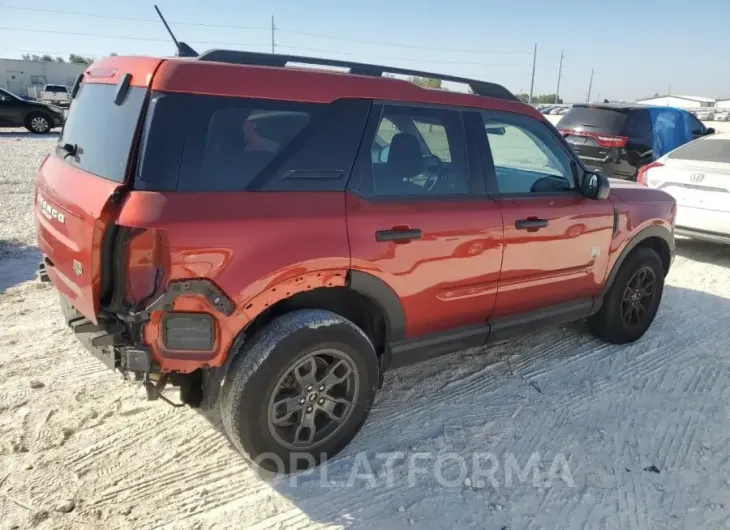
697	175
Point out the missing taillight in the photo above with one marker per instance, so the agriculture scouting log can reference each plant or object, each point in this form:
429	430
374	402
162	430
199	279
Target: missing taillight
188	331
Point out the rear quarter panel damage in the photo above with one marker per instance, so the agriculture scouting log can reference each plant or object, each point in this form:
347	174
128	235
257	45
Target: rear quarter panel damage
257	247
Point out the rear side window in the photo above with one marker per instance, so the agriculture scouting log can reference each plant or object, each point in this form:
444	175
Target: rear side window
100	131
638	127
231	141
416	152
705	150
598	119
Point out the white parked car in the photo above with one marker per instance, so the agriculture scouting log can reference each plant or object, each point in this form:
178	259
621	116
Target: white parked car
697	175
705	115
55	94
723	116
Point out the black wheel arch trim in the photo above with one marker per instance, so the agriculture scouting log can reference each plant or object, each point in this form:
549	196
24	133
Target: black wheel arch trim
651	231
385	297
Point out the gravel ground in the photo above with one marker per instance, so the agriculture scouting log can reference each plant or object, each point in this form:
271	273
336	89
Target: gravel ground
632	436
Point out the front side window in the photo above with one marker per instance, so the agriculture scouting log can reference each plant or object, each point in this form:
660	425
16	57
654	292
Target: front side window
417	152
527	157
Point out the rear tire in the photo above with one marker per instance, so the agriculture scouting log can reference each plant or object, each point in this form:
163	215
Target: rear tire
274	405
38	123
633	299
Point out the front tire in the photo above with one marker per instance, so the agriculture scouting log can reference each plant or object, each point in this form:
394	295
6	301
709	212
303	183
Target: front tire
632	301
38	123
299	392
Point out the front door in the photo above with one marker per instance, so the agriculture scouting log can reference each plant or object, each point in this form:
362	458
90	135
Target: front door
419	220
556	240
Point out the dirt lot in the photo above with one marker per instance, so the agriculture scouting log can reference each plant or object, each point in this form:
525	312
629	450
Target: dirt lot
642	428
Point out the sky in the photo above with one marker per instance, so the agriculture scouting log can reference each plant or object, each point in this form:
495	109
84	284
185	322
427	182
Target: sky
636	47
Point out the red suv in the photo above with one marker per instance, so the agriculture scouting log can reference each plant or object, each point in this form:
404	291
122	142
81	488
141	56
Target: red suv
272	239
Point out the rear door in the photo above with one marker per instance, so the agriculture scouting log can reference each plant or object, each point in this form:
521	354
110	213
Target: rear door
419	220
556	241
76	183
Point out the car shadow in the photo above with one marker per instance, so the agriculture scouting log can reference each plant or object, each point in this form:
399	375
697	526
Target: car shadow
557	392
27	135
703	251
18	263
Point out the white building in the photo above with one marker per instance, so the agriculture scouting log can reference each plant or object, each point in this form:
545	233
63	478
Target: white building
723	103
25	77
687	102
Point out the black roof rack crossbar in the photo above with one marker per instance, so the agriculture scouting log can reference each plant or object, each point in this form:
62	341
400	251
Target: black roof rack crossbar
482	88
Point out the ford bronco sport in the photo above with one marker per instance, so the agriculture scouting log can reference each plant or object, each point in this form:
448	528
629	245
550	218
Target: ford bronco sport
271	239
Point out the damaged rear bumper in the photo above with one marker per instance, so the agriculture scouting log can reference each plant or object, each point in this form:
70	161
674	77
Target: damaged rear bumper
116	340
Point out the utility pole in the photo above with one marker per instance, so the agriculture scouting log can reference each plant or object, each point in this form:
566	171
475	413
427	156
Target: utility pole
560	71
532	83
590	86
273	38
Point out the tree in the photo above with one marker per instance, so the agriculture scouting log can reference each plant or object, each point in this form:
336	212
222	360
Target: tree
60	60
426	82
79	59
542	98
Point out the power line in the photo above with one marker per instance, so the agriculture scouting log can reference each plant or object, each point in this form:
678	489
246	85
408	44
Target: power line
293	32
393	58
409	46
130	19
299	48
125	37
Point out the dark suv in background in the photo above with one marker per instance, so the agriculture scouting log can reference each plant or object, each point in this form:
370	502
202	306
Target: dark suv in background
618	139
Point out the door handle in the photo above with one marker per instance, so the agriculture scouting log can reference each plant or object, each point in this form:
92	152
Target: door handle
396	234
531	223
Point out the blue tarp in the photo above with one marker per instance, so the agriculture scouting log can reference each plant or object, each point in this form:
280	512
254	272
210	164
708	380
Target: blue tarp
671	129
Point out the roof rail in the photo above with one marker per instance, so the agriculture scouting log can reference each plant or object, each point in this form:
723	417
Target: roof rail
482	88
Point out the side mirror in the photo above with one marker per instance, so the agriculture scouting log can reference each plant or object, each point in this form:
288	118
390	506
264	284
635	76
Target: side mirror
710	130
595	186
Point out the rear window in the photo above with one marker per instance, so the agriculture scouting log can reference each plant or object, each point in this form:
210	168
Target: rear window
100	130
56	88
596	118
704	150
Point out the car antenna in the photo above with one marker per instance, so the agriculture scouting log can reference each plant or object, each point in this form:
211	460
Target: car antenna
183	50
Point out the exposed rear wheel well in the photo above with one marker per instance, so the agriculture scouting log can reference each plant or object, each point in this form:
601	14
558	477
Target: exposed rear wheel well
357	308
661	247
